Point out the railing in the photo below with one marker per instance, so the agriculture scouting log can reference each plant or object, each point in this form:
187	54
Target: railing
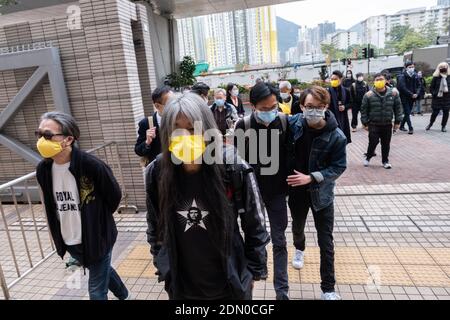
26	213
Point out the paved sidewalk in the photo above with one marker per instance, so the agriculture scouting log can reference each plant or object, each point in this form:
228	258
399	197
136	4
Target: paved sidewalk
391	233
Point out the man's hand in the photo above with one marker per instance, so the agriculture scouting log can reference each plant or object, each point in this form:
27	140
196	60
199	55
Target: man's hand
414	96
299	179
151	134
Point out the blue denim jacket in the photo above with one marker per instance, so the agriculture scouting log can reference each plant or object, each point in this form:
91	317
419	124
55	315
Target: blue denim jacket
327	161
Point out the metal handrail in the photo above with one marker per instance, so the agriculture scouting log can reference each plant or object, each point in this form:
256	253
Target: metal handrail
114	155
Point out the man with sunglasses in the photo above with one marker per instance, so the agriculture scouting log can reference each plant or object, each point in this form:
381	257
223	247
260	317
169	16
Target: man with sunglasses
80	196
319	158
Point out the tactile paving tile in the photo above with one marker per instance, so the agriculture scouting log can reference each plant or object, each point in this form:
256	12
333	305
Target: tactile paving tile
132	268
413	256
440	255
347	255
310	273
352	274
389	275
376	256
312	255
428	276
140	252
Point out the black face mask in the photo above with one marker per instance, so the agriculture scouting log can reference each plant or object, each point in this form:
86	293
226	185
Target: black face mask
443	70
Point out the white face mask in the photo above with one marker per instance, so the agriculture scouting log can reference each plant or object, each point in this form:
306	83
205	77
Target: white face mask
360	79
235	92
284	96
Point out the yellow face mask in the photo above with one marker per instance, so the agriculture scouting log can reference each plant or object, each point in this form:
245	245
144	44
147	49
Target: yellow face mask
48	148
187	148
380	84
335	83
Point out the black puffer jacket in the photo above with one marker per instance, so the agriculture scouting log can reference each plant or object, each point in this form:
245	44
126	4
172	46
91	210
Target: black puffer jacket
381	110
247	260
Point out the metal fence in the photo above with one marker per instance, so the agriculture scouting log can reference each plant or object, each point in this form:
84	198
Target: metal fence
24	224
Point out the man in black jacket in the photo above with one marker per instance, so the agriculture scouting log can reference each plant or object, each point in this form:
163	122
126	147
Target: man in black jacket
80	196
409	87
357	91
148	144
269	129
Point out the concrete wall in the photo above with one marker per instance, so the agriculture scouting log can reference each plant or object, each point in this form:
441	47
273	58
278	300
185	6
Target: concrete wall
103	78
159	29
304	73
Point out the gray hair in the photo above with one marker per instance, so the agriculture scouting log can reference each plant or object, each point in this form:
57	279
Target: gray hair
220	90
190	105
285	84
69	126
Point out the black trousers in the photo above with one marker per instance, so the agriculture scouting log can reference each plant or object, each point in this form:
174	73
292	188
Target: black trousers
355	112
445	114
299	204
278	219
383	134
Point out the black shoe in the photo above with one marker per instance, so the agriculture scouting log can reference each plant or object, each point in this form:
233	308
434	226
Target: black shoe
403	129
411	131
444	129
283	296
421	113
428	127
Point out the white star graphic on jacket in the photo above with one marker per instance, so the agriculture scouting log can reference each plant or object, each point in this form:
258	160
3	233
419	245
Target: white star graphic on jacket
194	216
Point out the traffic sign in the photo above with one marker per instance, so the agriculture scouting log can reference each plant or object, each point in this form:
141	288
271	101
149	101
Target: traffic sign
443	40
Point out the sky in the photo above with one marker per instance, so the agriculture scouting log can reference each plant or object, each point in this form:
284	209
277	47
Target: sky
346	13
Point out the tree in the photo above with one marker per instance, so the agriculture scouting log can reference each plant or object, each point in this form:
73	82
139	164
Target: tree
187	69
332	52
430	32
7	2
186	75
399	32
411	41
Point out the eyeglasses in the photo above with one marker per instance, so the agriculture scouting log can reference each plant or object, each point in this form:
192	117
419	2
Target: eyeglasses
48	135
314	108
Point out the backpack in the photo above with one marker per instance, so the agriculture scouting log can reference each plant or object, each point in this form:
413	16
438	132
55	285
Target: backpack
145	161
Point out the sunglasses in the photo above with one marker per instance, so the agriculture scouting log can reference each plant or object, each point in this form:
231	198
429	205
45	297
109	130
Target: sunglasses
48	135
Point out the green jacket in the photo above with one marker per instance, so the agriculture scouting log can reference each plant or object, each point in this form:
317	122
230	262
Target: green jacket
378	109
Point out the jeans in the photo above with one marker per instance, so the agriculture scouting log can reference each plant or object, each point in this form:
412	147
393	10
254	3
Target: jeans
418	106
278	219
445	114
355	111
407	108
379	133
102	276
300	203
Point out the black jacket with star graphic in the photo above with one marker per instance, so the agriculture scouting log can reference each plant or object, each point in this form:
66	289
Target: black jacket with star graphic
189	252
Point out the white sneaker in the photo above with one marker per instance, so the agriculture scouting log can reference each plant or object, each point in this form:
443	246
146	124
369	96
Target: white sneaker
299	259
366	163
387	165
130	297
330	296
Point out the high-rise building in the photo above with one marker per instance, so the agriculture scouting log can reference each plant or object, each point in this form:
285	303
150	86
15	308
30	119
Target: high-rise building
225	39
344	39
443	3
375	30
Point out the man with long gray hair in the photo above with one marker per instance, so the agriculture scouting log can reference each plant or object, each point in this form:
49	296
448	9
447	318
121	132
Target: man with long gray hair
80	196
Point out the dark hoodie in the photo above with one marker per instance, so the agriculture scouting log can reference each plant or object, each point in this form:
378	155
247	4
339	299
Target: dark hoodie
304	144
